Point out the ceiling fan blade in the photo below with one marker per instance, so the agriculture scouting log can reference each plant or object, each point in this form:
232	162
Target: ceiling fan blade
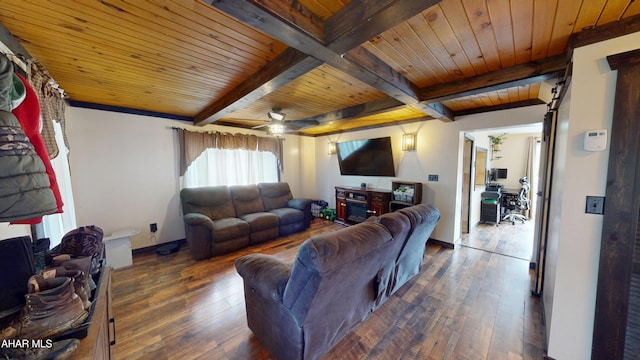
260	126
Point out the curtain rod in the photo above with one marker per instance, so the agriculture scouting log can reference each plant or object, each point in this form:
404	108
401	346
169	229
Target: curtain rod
212	132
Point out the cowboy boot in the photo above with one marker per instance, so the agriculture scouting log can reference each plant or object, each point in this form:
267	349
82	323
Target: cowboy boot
52	307
80	284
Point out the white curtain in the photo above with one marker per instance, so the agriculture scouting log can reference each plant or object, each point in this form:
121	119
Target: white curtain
531	171
231	167
56	225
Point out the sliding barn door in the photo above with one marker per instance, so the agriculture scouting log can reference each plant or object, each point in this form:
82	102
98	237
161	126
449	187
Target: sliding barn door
543	194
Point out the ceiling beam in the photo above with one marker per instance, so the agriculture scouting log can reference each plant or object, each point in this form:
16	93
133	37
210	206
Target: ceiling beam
518	75
368	127
286	67
366	109
604	32
511	105
387	14
295	14
359	21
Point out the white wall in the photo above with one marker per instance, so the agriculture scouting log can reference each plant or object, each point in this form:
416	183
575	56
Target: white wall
578	173
124	172
513	157
438	152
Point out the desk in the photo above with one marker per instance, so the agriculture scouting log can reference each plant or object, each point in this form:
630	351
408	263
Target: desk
508	194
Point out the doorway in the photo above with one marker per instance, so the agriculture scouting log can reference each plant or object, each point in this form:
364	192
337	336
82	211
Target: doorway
467	173
519	156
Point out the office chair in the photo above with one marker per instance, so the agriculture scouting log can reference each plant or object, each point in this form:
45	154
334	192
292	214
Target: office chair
517	203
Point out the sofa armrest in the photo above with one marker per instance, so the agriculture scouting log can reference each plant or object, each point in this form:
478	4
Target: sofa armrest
300	203
264	274
194	219
303	205
198	229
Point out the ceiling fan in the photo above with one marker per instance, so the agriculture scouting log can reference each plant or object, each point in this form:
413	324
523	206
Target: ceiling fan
278	126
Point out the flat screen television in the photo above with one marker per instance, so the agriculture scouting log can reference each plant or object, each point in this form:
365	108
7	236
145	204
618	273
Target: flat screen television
369	157
497	174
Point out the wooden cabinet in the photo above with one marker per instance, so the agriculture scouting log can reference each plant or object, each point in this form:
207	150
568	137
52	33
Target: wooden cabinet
355	205
411	195
379	203
101	333
341	209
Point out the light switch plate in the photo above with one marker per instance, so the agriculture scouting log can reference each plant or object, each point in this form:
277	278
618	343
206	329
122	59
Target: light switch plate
595	205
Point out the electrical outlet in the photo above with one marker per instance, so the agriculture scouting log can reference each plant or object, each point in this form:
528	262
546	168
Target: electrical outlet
153	227
595	205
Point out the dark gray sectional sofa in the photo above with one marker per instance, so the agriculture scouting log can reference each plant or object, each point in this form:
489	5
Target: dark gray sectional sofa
221	219
301	310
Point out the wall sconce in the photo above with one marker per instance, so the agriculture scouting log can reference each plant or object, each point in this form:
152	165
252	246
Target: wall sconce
331	147
409	142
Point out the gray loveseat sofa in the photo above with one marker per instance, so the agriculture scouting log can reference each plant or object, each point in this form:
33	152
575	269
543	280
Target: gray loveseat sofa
221	219
301	310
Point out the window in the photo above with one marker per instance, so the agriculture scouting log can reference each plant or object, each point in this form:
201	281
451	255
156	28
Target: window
56	225
231	167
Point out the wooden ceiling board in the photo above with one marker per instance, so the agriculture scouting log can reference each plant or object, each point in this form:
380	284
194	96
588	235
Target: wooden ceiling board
633	9
320	90
495	98
453	15
503	28
323	9
119	50
522	29
415	68
467	62
443	46
181	56
83	41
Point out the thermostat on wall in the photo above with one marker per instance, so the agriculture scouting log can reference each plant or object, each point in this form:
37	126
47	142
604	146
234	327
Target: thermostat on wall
595	140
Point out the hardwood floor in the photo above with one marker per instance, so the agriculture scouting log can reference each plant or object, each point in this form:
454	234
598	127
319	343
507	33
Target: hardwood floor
465	304
511	240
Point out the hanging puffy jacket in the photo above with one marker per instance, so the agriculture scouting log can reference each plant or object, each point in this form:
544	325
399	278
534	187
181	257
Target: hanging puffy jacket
25	190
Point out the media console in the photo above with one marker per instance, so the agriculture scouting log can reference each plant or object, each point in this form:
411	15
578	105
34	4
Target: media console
354	205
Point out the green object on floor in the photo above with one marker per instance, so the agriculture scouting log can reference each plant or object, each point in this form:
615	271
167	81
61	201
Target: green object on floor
328	214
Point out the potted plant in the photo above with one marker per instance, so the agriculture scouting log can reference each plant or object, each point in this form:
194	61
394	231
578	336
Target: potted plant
497	140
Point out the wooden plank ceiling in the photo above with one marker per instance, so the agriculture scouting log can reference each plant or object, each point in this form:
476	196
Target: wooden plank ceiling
338	65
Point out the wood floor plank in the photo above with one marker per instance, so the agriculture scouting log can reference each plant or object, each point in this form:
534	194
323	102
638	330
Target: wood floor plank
466	303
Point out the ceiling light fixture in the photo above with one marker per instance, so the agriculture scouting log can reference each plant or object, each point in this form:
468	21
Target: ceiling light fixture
276	129
276	115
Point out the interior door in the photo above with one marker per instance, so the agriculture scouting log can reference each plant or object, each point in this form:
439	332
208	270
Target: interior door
467	182
543	195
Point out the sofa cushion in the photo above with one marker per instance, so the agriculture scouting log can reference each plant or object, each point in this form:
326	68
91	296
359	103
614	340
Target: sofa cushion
275	195
212	201
246	199
261	220
229	228
288	215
